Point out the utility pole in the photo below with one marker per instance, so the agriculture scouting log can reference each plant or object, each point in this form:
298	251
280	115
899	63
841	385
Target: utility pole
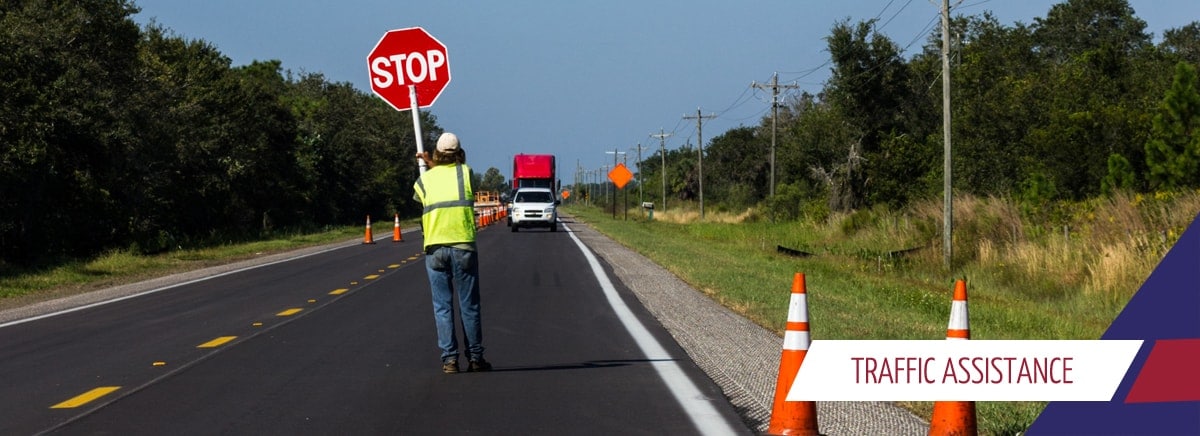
614	191
774	85
641	197
600	176
625	201
947	205
662	149
700	140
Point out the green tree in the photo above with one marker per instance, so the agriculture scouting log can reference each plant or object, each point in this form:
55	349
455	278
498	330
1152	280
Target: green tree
870	89
493	180
65	75
1120	175
1173	151
738	168
815	152
996	97
1093	95
1183	43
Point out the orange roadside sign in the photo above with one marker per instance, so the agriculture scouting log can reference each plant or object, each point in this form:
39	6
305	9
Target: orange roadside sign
620	176
565	194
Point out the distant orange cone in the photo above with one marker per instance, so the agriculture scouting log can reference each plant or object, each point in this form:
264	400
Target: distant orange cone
368	239
793	417
955	418
396	236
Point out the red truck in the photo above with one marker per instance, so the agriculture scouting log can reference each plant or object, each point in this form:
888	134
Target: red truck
534	171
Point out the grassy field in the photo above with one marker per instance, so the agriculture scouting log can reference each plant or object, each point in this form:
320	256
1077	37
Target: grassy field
870	275
881	275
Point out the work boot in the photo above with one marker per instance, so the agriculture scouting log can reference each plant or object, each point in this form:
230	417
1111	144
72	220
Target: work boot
451	366
479	365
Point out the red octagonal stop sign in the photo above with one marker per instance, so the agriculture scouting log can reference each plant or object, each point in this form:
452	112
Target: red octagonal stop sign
405	57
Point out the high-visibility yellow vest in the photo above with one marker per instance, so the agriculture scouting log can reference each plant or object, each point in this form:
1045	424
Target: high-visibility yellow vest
449	215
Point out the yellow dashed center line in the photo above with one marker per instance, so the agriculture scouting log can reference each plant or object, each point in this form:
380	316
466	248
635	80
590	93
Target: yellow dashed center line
217	342
85	397
96	393
394	266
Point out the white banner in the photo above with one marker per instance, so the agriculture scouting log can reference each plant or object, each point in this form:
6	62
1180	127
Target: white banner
962	370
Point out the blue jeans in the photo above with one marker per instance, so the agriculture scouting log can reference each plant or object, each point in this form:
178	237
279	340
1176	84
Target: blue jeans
455	271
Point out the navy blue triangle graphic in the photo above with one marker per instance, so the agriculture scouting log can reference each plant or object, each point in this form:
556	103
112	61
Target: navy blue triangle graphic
1167	306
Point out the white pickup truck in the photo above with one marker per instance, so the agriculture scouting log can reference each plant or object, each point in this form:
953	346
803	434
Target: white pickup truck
533	207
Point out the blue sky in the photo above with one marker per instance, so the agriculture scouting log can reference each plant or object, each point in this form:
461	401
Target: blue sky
579	78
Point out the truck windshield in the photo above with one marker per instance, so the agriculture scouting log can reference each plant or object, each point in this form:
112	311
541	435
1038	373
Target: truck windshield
534	197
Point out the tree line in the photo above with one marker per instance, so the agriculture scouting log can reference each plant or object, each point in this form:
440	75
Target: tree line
118	136
1079	103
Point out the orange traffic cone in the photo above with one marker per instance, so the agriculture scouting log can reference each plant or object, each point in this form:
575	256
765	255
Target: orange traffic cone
955	417
793	417
368	239
396	236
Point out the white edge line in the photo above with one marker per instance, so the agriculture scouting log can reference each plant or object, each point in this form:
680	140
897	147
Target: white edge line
155	290
701	411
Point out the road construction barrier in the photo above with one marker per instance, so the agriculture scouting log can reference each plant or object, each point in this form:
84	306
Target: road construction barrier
955	418
396	235
793	417
367	238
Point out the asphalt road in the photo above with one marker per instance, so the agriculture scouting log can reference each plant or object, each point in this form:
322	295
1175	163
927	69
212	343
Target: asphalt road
585	340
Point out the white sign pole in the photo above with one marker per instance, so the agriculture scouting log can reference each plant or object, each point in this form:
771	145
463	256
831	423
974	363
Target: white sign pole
412	99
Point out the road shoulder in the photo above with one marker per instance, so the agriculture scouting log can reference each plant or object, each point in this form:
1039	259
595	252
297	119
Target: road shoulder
738	355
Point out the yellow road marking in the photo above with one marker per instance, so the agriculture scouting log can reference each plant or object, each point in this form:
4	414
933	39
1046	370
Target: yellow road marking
394	266
413	258
372	277
85	397
354	283
310	301
289	312
338	291
257	324
217	342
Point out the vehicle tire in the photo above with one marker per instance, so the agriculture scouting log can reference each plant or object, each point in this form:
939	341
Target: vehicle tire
514	228
553	227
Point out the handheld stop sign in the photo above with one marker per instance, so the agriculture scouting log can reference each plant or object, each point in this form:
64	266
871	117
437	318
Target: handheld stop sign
409	68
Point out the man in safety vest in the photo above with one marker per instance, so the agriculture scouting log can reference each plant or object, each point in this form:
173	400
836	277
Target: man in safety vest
451	259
